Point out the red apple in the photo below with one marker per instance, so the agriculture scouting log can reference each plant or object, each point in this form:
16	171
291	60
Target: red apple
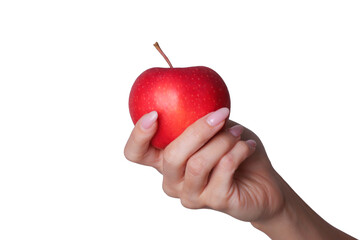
179	95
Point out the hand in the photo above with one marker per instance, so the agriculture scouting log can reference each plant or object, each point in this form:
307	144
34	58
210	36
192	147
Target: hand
212	166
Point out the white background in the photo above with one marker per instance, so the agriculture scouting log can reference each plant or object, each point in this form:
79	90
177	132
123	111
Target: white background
66	69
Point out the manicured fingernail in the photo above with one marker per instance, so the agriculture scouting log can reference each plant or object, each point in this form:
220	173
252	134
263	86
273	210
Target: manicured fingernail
251	143
218	116
148	120
236	130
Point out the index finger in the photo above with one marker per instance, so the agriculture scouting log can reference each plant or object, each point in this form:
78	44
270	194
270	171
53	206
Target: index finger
191	140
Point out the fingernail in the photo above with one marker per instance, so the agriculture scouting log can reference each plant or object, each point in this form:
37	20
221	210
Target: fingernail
218	116
148	120
251	143
236	130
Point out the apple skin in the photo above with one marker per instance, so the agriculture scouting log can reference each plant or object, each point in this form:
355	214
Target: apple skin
179	95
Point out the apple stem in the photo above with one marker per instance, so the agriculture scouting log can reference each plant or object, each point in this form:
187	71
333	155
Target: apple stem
156	45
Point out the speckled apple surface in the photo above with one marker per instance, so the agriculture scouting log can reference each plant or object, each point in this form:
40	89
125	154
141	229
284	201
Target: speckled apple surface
179	95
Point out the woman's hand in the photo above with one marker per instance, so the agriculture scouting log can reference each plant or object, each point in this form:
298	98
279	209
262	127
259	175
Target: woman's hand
212	166
219	164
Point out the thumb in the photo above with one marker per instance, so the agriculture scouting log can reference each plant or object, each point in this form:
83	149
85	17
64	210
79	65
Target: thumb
138	144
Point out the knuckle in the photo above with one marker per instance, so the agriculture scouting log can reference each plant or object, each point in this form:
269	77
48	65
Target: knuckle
188	204
169	153
196	165
229	160
190	201
129	155
170	191
170	157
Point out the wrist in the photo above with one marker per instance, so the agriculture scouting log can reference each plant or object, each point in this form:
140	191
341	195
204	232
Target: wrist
296	220
285	223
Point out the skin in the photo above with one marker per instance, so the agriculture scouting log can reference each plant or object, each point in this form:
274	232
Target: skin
209	167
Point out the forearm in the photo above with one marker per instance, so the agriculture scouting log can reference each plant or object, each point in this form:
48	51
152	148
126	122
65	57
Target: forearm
297	221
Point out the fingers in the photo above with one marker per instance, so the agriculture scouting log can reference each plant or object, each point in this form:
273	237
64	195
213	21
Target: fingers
222	177
182	148
200	165
197	167
138	148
